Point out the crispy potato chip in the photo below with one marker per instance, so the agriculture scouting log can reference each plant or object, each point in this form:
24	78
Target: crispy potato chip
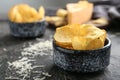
41	12
57	21
95	37
23	9
80	37
75	28
33	13
79	43
83	3
64	45
90	30
87	43
63	36
12	13
24	13
100	21
18	17
95	44
61	12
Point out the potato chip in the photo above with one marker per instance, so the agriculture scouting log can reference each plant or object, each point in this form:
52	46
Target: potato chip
63	36
24	13
80	37
83	3
100	21
23	9
89	30
79	43
95	37
12	13
41	12
64	44
61	12
57	21
95	44
18	17
76	29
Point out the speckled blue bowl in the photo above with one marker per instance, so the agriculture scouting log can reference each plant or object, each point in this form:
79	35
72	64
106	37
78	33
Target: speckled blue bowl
33	29
82	60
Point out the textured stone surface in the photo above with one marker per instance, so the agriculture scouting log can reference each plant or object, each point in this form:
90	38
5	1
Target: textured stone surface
82	61
28	29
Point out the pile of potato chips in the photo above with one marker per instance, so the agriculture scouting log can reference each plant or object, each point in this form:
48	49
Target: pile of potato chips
23	13
80	37
59	19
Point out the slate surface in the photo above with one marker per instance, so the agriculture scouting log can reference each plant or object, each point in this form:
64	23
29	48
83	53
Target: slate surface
10	49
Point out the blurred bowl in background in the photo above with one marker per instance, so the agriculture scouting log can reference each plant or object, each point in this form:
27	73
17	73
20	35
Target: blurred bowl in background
24	30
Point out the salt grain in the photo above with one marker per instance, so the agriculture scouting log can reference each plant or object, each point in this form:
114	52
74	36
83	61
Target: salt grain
43	78
4	49
37	49
46	74
23	66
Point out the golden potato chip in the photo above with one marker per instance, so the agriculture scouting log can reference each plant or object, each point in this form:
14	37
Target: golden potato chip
25	13
18	17
57	21
41	12
94	44
83	3
12	13
64	44
95	37
79	43
80	37
23	9
63	34
89	30
100	21
61	12
86	43
75	28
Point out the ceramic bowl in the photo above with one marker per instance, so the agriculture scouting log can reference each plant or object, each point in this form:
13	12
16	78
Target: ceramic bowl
82	60
33	29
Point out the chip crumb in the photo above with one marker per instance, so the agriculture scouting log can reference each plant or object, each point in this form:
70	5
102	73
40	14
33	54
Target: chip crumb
23	66
46	74
37	49
12	78
43	78
4	49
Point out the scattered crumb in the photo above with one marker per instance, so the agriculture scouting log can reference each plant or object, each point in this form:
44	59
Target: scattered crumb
37	49
12	78
4	49
43	78
24	66
46	74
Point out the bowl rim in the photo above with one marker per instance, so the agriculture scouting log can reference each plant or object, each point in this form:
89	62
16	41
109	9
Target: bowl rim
65	49
43	19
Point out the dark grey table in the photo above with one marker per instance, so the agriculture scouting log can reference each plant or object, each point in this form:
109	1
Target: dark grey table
11	49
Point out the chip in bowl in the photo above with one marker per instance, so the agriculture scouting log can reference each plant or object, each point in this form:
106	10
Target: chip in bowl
80	37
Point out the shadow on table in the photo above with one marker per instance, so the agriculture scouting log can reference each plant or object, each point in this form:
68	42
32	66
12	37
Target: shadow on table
9	40
60	74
